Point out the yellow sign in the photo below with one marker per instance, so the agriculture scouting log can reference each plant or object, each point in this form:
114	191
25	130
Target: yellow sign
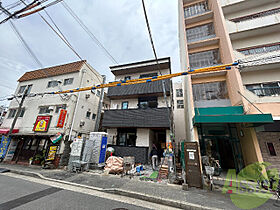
52	153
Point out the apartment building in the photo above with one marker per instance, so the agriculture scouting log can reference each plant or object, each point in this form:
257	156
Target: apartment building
45	116
138	117
216	111
254	30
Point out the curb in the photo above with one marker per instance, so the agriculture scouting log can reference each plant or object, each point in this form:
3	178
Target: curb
136	195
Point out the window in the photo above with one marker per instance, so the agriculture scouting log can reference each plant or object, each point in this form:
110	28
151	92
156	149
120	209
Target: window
68	81
261	49
22	112
180	104
265	89
126	137
58	107
88	114
203	59
93	116
147	102
200	32
148	75
179	93
125	105
210	91
196	9
98	93
52	84
127	78
22	88
44	110
12	113
271	148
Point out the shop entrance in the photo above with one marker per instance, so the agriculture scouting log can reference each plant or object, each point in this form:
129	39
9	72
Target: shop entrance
159	140
221	142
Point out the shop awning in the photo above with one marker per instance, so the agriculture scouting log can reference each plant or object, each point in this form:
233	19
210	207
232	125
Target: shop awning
6	130
233	114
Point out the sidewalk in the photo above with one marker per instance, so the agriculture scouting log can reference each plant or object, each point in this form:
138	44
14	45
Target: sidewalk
172	195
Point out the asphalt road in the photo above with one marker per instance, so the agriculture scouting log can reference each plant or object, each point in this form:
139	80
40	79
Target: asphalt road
17	193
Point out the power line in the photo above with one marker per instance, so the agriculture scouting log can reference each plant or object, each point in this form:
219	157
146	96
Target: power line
86	29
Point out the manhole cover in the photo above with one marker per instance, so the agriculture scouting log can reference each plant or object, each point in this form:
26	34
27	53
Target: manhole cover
3	170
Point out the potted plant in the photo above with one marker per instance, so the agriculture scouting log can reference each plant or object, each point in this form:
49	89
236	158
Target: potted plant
30	160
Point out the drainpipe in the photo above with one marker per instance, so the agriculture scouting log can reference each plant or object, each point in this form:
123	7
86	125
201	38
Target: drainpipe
76	106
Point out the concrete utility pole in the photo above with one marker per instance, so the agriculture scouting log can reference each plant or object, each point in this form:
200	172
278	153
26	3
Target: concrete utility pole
97	122
18	112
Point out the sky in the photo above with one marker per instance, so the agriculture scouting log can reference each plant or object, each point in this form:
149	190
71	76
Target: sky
118	24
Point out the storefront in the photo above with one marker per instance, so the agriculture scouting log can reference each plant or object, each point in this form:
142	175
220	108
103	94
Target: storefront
228	135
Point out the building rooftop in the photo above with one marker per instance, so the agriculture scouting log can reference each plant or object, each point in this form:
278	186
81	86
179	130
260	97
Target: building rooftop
143	66
53	71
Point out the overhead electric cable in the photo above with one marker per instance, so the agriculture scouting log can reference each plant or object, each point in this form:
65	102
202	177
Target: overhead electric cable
87	30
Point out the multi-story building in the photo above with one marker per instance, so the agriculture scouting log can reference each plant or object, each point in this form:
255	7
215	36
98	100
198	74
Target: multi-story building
44	116
138	117
254	30
216	111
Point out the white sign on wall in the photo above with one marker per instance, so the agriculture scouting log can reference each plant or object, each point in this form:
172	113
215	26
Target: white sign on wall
76	147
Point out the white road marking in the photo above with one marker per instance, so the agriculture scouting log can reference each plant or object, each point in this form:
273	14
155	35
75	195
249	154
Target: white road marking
109	196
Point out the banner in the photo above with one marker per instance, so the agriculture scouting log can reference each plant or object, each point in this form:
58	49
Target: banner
4	146
56	138
42	123
61	118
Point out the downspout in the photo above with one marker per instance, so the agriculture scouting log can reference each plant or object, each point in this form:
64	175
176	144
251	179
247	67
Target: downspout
76	105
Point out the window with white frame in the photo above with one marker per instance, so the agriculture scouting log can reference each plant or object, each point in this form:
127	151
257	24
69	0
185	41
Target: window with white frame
22	111
58	107
265	89
52	84
180	104
44	110
179	92
12	113
200	32
22	88
68	81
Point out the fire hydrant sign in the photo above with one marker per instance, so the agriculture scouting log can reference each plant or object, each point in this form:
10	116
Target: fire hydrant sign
4	146
42	123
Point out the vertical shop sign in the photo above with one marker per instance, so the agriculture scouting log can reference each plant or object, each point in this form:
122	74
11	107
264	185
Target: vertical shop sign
61	118
5	141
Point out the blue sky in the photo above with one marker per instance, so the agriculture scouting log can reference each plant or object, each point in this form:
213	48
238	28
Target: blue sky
118	24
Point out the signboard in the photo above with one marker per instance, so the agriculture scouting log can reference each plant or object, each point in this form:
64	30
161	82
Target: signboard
56	138
42	124
61	118
52	153
4	146
76	147
12	150
103	149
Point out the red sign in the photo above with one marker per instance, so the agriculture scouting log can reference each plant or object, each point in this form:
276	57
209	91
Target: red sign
61	118
42	123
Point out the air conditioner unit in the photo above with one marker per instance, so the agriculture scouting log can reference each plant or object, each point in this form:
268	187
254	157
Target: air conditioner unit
82	123
51	108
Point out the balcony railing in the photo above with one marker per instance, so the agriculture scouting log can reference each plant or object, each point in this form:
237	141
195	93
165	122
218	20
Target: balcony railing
256	15
265	91
196	9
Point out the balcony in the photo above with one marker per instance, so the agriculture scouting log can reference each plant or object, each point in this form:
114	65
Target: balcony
265	91
209	40
136	118
132	91
196	9
250	27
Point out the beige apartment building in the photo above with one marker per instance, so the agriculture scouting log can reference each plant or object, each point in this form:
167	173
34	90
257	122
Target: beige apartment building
220	109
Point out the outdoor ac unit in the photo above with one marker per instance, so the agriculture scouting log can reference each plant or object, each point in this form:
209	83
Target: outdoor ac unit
82	123
51	108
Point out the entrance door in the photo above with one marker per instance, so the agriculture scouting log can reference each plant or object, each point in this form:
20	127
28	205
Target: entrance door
237	154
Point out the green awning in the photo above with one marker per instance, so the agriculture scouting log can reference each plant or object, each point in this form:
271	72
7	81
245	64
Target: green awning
233	114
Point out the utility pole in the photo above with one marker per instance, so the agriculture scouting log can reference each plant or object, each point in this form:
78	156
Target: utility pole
18	112
97	122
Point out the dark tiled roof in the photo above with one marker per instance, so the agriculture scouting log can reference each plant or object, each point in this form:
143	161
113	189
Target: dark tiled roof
52	71
139	89
136	118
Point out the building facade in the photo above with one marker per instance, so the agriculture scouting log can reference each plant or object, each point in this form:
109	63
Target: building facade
138	117
254	30
46	116
216	111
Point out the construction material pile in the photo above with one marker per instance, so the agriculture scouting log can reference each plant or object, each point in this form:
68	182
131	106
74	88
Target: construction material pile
114	165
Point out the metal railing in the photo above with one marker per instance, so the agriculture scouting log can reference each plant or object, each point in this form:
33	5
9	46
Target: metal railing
196	9
265	91
256	15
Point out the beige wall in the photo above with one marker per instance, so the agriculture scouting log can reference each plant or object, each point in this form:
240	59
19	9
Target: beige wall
143	136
